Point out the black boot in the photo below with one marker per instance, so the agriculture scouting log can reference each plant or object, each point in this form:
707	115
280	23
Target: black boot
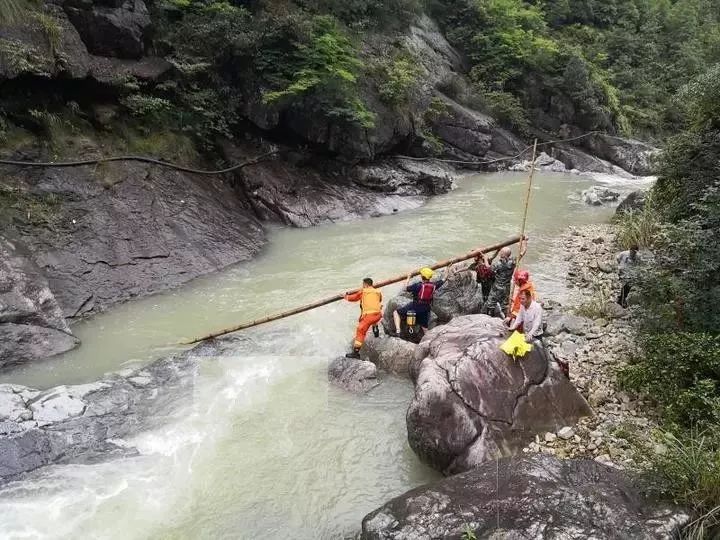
354	354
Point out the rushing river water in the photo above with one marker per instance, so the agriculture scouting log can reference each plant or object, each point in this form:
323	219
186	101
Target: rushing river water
265	448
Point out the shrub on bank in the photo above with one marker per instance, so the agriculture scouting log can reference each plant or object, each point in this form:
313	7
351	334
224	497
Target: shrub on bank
681	372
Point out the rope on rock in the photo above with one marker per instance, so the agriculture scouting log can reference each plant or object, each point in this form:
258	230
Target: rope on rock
142	159
441	264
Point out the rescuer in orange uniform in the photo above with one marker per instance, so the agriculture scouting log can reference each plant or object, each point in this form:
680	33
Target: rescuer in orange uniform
370	300
522	283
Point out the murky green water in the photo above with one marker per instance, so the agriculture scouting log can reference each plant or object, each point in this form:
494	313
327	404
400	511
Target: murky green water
266	449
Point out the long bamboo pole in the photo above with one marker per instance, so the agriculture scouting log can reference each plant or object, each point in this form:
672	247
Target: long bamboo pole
521	253
277	316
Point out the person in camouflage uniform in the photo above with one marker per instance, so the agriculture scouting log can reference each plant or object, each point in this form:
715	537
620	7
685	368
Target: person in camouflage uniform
503	269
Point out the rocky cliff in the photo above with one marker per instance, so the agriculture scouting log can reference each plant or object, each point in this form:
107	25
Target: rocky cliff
97	78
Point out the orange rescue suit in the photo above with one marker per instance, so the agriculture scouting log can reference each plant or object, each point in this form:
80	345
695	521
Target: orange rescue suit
528	286
370	300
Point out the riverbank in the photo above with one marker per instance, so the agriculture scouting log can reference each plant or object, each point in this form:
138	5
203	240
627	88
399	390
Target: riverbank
595	336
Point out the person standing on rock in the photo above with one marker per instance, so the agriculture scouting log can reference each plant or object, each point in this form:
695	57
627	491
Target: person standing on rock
484	274
423	293
502	269
529	319
626	260
370	300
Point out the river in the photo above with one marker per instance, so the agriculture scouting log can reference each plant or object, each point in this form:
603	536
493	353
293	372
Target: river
265	448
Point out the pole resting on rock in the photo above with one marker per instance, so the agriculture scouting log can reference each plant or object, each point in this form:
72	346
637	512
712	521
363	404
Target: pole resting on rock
441	264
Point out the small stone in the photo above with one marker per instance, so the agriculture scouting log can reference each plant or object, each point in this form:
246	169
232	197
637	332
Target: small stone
550	437
566	433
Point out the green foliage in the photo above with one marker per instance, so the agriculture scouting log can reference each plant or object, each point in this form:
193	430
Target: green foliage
639	228
681	372
327	66
367	13
687	470
594	63
146	106
50	27
22	58
468	533
12	11
504	106
399	79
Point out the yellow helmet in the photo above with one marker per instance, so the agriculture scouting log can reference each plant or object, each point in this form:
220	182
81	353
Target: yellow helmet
426	272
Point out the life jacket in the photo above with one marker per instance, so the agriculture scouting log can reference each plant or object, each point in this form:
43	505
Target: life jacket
426	292
528	286
371	301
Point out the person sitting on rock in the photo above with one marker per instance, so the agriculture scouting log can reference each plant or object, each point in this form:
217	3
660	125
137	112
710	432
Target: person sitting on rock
626	260
529	318
370	300
423	293
522	283
502	269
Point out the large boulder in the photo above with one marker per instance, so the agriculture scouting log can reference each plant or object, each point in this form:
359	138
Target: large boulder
473	402
599	195
353	375
537	497
574	158
634	156
390	354
32	325
461	294
111	28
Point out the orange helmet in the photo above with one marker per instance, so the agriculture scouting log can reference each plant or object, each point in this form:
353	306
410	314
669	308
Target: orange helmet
522	277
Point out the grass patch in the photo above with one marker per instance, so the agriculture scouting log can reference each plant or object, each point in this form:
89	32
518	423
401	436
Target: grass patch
687	470
599	305
36	210
638	228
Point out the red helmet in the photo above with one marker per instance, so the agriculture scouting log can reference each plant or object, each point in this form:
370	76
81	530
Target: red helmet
522	277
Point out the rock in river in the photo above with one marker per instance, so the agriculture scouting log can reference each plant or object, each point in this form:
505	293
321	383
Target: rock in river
539	497
473	402
459	295
390	354
358	376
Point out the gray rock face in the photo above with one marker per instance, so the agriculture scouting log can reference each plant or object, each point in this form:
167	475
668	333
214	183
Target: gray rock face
459	295
543	162
390	354
31	322
574	158
598	195
81	423
353	375
473	402
538	497
132	231
301	192
634	202
111	29
636	157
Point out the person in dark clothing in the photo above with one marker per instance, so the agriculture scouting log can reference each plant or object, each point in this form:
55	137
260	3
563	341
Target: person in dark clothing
484	274
423	293
503	269
627	261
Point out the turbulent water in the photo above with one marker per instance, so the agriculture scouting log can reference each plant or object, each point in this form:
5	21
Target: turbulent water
265	448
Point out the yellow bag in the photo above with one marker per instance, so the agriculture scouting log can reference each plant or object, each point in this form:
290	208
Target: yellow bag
516	346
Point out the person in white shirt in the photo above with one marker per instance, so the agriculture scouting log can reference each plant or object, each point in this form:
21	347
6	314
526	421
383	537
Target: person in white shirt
529	320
